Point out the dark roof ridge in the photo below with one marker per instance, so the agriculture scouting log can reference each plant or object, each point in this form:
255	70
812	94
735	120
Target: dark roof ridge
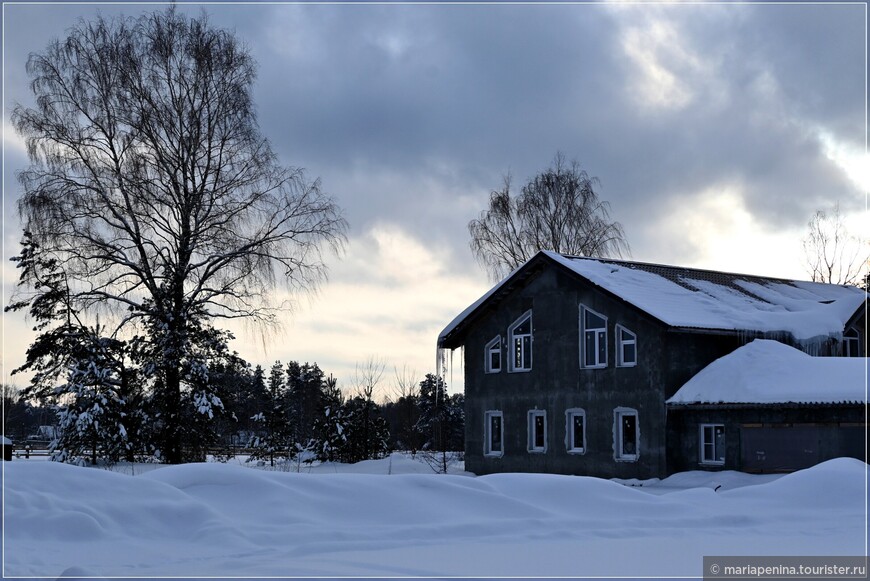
693	269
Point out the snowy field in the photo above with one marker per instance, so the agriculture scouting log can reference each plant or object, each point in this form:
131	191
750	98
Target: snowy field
393	517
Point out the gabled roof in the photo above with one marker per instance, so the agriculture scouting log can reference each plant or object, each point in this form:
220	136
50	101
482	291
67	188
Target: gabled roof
689	298
769	372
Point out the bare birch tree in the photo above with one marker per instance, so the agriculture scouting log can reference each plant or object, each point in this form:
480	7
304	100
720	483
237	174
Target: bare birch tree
151	184
831	253
557	210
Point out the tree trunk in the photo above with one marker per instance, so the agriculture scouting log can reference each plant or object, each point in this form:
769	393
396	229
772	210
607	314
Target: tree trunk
173	416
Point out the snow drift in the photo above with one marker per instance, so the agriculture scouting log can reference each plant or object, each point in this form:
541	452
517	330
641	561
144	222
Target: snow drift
225	520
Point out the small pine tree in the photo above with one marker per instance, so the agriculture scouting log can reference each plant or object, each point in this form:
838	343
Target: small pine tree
368	435
96	400
442	421
331	426
305	384
92	411
273	439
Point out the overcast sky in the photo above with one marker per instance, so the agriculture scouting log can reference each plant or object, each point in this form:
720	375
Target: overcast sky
715	131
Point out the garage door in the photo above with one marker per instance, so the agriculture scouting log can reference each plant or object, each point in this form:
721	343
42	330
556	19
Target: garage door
781	449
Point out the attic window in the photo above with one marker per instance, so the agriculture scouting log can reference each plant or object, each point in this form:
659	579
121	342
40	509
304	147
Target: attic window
626	347
520	344
593	333
492	363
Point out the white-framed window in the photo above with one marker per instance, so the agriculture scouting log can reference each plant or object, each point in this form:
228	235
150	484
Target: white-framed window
520	344
851	344
492	363
712	443
626	347
575	431
626	435
493	433
537	431
593	339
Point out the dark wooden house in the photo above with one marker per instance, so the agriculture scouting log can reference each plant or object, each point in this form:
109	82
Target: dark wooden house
572	365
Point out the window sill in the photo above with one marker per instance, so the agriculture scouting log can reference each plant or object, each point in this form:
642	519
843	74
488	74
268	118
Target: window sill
576	451
604	366
632	458
493	455
519	370
627	365
537	451
711	463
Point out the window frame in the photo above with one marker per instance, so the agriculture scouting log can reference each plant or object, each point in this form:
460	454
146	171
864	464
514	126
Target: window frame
702	445
851	337
598	339
487	360
619	436
511	344
531	443
570	414
488	416
620	344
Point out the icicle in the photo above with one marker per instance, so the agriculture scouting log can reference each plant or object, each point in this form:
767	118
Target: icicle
462	365
451	370
439	355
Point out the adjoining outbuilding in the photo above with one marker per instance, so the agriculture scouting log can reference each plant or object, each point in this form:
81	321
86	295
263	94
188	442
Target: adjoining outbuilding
768	407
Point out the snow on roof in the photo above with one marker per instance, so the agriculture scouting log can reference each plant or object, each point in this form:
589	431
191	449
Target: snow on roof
705	299
769	372
7	441
692	298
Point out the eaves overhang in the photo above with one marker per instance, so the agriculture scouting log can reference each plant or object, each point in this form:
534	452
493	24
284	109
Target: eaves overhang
688	406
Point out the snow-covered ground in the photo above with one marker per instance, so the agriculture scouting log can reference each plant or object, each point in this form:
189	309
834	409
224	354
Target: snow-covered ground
395	518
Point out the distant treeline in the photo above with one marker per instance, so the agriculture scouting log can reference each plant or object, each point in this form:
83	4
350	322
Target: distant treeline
293	412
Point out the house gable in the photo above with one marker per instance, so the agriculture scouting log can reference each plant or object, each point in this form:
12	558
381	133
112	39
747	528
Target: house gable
555	298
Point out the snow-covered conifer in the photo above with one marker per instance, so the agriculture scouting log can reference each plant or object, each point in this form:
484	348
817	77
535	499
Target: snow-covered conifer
272	438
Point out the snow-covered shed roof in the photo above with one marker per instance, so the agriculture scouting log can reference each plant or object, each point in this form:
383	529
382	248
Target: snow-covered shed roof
704	299
770	372
6	441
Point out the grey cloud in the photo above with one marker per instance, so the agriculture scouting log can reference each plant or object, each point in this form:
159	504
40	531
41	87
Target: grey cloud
411	114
